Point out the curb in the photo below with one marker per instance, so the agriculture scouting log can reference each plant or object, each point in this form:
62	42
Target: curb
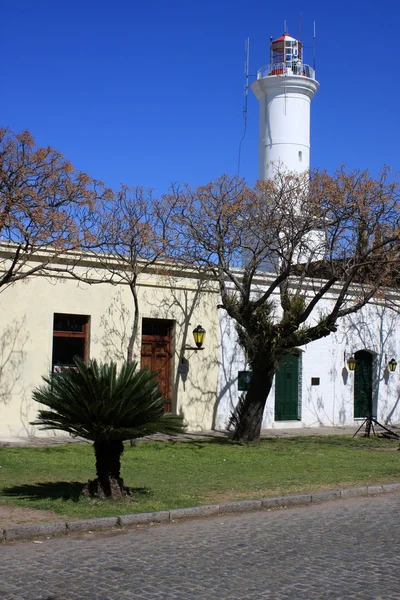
32	530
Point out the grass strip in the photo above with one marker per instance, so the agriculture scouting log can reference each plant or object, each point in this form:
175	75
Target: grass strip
166	475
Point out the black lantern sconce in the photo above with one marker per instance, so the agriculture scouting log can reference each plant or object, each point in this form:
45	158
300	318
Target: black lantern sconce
351	363
392	364
198	335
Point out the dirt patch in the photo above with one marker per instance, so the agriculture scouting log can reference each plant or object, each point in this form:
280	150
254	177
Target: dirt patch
13	515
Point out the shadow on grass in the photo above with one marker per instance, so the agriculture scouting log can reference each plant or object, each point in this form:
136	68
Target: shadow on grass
292	440
201	442
287	443
217	441
67	490
64	490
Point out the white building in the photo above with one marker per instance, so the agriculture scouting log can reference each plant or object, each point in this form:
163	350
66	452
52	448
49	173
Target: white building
314	385
46	321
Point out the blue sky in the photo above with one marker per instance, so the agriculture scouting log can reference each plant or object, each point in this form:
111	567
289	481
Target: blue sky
149	93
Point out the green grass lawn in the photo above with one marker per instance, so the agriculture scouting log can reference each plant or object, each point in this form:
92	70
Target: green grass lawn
182	474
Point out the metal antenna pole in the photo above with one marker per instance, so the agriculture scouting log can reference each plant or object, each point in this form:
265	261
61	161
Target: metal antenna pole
270	51
314	38
246	94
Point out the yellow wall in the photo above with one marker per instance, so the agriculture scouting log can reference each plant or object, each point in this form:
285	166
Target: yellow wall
26	328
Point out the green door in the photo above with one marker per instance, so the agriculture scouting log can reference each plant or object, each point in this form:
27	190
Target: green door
363	385
287	389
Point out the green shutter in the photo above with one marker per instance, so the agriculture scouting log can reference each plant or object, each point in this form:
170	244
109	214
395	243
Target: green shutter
363	385
287	389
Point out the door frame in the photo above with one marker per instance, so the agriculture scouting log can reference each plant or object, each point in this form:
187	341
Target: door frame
372	411
168	340
298	354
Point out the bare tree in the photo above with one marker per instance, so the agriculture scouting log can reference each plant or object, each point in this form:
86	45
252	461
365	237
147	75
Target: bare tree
46	207
133	233
327	245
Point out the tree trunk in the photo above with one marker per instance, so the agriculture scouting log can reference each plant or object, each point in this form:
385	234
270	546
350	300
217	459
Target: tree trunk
132	338
109	483
251	412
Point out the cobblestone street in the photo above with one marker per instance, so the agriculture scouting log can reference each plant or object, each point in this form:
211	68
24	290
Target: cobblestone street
346	549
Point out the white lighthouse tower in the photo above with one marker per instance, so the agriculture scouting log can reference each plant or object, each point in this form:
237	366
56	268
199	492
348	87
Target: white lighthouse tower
284	89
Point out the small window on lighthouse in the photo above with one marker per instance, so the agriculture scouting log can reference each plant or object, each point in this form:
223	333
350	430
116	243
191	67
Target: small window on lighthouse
300	155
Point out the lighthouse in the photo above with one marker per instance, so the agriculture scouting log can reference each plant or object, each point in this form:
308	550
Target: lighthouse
284	89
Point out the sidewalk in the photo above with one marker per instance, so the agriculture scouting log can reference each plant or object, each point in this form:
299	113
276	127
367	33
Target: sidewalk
38	442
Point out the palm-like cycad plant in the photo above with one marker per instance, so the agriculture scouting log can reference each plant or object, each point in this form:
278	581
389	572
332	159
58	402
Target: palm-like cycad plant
99	404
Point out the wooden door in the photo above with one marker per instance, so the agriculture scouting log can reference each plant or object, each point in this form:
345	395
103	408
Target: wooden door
363	385
156	353
287	389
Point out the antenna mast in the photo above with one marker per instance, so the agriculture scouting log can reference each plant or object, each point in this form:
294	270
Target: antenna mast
246	79
246	94
270	51
314	38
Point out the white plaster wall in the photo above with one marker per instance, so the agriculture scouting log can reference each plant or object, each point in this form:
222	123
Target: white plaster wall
375	329
26	328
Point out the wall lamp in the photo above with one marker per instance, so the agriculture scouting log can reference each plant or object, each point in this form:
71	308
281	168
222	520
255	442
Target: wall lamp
198	335
351	363
392	364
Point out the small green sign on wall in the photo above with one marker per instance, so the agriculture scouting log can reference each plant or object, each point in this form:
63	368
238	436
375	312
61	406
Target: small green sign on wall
244	378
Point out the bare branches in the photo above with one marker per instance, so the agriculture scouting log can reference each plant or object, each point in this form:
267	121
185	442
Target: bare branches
133	232
310	237
44	205
292	256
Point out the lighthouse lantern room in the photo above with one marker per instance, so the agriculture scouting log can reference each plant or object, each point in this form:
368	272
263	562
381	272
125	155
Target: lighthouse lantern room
284	89
286	53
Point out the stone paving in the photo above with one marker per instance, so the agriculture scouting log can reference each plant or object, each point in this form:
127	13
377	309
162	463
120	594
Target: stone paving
337	550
